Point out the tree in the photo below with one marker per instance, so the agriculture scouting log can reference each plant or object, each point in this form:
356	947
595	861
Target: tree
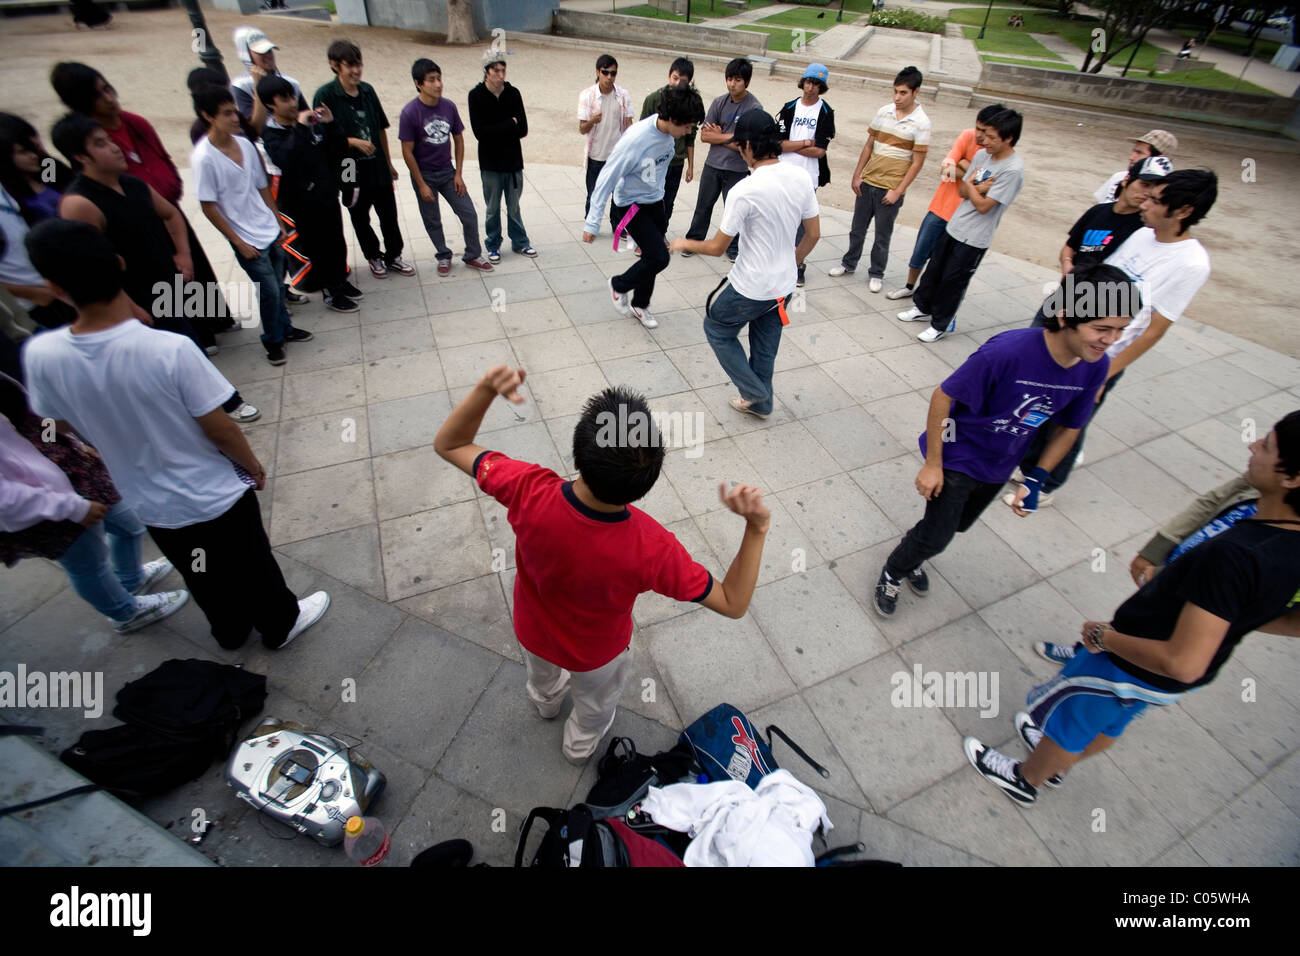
1125	23
460	22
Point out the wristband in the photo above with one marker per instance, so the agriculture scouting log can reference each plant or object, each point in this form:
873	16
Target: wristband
1034	482
1096	634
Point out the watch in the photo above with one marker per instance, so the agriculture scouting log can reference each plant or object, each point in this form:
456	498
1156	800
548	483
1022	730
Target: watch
1095	634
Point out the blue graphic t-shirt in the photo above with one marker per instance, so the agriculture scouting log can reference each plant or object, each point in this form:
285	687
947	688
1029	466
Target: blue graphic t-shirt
431	129
1004	393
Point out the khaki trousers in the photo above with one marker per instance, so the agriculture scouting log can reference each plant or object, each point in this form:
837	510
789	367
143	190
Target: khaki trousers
595	699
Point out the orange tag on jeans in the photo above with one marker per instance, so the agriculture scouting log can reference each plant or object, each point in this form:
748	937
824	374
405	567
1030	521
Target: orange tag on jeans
780	310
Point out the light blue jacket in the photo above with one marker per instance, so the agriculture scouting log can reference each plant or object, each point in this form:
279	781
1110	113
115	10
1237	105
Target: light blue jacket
635	171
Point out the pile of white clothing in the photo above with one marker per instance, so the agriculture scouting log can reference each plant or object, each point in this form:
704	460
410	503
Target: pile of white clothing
732	825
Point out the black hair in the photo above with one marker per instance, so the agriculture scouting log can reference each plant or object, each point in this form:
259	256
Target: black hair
684	67
1007	124
422	68
271	86
75	84
78	258
681	105
1092	291
1197	188
1288	453
605	61
821	87
69	136
618	468
209	99
739	67
16	131
343	51
764	147
910	76
986	114
202	76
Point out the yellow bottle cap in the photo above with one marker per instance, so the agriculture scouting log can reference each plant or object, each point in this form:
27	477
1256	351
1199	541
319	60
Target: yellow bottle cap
355	826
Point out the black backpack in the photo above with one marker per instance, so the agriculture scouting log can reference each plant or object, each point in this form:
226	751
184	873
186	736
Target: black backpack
178	719
624	777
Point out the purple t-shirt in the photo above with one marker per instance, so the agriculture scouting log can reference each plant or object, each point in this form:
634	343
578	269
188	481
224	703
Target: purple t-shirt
430	128
1004	393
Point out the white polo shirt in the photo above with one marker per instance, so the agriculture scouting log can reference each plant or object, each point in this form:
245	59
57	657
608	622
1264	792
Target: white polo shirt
234	188
765	210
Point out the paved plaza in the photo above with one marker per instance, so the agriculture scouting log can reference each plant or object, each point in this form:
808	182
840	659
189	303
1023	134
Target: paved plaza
411	554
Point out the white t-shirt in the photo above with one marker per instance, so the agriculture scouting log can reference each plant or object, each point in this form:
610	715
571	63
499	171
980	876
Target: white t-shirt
765	210
804	127
134	392
615	106
1109	190
15	267
234	189
1167	274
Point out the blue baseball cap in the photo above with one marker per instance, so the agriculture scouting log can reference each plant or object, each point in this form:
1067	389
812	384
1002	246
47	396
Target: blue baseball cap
816	71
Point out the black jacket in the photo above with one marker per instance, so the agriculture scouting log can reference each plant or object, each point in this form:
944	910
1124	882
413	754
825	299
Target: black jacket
499	123
307	169
825	133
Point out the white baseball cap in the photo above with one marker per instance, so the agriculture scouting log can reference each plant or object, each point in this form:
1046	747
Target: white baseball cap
252	40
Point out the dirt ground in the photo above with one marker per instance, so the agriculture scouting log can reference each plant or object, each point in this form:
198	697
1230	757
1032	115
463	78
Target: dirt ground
1250	234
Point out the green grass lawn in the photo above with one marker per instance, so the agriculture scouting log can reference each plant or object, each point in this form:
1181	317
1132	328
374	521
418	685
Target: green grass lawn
808	18
1234	43
1008	41
781	37
654	13
1207	79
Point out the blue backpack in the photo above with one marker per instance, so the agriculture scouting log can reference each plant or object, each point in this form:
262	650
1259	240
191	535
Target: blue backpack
729	747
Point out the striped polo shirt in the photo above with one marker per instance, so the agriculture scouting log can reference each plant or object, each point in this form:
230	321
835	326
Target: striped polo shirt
895	142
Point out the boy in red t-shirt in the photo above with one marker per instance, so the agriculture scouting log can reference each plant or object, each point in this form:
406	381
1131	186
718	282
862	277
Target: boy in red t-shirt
583	555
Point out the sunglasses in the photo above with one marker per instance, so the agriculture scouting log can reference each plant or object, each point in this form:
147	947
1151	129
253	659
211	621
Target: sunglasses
609	72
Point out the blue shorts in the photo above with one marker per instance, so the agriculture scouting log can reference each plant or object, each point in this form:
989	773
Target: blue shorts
1091	696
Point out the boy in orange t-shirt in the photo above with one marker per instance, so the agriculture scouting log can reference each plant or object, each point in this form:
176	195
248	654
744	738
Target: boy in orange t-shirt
946	198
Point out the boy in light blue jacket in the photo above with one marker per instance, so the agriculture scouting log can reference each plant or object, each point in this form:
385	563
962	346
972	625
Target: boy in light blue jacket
635	174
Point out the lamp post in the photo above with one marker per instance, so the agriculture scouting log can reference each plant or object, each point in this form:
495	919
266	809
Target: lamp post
982	25
206	49
839	17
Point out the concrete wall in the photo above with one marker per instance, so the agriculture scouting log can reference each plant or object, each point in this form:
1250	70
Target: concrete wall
234	6
668	34
431	15
1221	107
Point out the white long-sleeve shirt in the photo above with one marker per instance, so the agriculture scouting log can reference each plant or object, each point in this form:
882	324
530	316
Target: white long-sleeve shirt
32	488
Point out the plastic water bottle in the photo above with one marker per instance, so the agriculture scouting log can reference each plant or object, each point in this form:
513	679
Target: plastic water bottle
366	841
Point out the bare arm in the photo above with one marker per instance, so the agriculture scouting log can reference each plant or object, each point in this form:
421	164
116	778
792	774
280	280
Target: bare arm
929	482
388	157
981	202
704	247
83	210
812	232
1185	657
217	219
1288	625
229	439
1066	258
914	170
730	597
455	439
175	224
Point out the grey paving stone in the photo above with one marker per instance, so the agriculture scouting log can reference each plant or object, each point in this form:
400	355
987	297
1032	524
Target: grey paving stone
887	840
517	288
458	296
618	339
1095	594
982	568
1180	768
1133	422
588	308
1220	437
403	337
564	391
1046	540
915	616
320	440
327	350
475	610
1218	384
530	441
1038	613
500	544
577	278
786	455
417	694
311	393
26	586
787	549
464	365
475	325
417	480
903	416
528	770
809	391
1271	656
440	812
406	422
916	365
1278	370
1151	489
1256	829
676	329
875	331
1192	466
1180	854
352	556
1257	732
1284	781
1098	510
815	626
652	374
973	816
706	659
396	302
697	364
646	697
247	363
853	437
403	376
837	516
865	378
696	479
313	503
793	715
821	341
431	549
907	747
544	351
717	399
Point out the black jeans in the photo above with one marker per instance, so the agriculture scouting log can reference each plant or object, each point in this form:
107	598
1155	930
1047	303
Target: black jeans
671	185
375	189
321	239
714	183
594	166
962	500
647	231
234	578
946	277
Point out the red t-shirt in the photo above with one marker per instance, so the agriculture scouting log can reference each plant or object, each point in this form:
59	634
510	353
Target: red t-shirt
145	156
579	571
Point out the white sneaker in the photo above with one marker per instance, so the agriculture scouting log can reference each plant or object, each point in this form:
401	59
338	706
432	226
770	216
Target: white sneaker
914	315
1078	459
741	405
875	285
211	350
934	335
838	271
310	610
150	608
245	413
903	293
644	317
1044	498
153	571
622	300
1018	476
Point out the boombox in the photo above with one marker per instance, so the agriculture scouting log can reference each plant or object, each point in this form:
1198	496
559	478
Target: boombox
311	782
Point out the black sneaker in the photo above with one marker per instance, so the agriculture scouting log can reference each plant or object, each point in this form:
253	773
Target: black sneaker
340	303
275	354
919	582
348	289
1000	770
294	297
799	281
1031	734
886	594
298	335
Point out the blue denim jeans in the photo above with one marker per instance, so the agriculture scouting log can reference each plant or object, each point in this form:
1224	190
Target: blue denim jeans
752	376
932	227
511	187
267	271
104	563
